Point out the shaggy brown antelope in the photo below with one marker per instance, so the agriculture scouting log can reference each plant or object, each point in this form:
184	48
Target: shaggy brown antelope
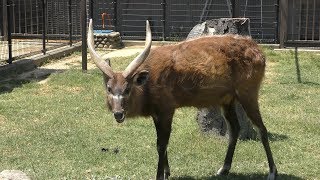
208	71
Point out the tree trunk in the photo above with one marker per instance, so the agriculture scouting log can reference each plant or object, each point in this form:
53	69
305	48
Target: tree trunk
210	119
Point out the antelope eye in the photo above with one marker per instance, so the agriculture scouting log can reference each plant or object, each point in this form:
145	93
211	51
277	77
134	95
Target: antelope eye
126	91
109	89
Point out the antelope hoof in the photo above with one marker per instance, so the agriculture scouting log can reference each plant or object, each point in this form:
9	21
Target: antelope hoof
273	175
166	175
223	171
162	178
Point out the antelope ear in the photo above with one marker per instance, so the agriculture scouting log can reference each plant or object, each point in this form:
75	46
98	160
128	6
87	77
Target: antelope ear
141	78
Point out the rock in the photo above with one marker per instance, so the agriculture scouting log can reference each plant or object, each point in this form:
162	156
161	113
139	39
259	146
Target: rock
239	26
198	30
13	175
114	34
210	118
111	41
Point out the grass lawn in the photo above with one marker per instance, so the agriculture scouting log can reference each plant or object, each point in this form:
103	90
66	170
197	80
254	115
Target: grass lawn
61	130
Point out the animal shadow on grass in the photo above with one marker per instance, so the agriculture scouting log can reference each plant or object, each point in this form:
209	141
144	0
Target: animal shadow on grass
277	137
236	176
272	137
311	83
8	84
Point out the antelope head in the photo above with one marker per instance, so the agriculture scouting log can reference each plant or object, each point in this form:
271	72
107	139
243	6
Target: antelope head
119	85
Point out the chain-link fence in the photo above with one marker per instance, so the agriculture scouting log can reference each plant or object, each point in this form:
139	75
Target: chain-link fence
35	26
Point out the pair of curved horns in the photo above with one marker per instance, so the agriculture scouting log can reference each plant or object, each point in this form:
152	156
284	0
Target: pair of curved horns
104	66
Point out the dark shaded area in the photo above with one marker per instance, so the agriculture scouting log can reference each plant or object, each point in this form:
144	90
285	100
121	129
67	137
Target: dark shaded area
277	137
238	176
311	83
13	81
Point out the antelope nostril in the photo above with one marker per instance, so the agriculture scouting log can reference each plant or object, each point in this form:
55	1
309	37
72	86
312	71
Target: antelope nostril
118	115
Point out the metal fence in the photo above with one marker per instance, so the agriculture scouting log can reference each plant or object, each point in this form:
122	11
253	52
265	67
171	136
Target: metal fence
31	26
36	26
173	20
301	23
263	16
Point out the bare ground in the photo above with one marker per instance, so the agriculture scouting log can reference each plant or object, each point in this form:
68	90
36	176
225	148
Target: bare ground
74	61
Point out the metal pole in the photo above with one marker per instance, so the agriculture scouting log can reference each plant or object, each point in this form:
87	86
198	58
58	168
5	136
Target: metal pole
283	26
115	15
164	6
70	22
91	9
276	39
84	33
9	30
235	8
44	7
5	21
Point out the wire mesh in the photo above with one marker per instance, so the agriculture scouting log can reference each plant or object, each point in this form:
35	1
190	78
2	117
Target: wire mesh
263	18
103	14
184	15
304	20
132	17
27	26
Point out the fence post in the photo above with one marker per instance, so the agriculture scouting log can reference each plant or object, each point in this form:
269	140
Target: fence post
8	4
235	8
164	7
283	7
84	33
91	9
115	14
70	22
276	39
44	32
5	20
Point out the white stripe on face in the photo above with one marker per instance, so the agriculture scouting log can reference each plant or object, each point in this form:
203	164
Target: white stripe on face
117	97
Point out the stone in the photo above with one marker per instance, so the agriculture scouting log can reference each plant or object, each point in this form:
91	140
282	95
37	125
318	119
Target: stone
239	26
13	175
114	34
110	40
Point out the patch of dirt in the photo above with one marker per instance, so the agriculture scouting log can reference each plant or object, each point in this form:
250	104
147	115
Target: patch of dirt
74	61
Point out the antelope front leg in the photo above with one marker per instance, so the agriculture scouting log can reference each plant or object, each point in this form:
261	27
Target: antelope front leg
163	127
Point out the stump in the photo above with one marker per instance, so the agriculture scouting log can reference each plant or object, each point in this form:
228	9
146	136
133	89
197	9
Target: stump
210	119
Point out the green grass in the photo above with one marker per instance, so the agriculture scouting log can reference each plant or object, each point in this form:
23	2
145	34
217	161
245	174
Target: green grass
57	130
